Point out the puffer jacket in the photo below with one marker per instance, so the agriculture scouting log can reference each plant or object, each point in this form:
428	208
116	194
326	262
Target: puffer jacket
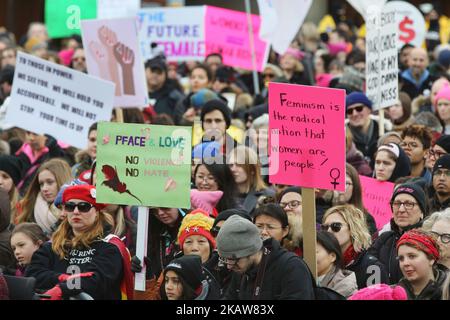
432	291
341	281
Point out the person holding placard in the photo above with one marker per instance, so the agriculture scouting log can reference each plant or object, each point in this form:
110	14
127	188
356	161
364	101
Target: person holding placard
348	224
78	259
409	207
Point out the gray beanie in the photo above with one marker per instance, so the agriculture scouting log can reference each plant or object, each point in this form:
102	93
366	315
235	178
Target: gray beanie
238	238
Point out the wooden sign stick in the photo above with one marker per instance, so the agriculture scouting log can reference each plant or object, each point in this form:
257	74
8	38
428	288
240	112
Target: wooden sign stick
309	229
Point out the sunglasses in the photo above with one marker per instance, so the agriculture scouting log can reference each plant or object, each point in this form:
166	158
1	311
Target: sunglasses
335	226
358	109
82	206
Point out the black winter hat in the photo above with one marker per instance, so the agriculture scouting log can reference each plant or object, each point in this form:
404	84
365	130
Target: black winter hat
12	166
225	214
217	104
189	268
444	142
414	190
442	162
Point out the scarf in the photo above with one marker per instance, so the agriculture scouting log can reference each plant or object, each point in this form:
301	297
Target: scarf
350	256
45	215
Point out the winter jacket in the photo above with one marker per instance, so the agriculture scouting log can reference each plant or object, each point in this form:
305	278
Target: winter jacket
435	205
432	291
368	270
102	258
6	254
384	248
341	281
286	277
413	88
166	99
249	200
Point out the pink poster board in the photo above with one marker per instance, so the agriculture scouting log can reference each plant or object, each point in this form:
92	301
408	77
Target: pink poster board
113	54
307	136
376	198
226	31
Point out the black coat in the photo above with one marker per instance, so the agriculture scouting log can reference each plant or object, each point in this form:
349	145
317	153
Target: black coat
286	277
6	254
101	258
368	270
166	98
433	290
384	248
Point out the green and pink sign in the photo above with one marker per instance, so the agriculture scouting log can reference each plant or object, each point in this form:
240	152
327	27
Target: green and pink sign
143	165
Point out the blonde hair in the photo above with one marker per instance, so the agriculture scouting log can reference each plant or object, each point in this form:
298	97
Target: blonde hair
13	200
248	159
446	288
355	218
63	240
62	173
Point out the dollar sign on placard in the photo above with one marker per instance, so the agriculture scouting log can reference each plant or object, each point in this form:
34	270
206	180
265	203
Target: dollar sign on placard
411	34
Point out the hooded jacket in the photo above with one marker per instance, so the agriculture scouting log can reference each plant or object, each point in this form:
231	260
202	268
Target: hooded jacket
286	277
432	291
384	248
341	281
6	253
402	166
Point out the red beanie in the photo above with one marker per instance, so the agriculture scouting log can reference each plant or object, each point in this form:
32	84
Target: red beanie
83	192
197	223
420	240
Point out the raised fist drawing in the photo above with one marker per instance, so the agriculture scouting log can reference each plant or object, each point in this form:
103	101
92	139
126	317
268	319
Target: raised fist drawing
125	57
100	56
109	39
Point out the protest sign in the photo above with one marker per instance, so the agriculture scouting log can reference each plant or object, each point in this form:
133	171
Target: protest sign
48	98
226	32
381	59
62	17
144	165
113	9
376	198
409	22
180	39
112	53
307	136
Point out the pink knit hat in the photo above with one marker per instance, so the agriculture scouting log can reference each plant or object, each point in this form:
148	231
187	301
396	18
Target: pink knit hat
66	56
295	52
380	292
335	48
444	93
205	200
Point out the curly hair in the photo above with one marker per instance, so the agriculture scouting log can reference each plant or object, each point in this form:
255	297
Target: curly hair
422	133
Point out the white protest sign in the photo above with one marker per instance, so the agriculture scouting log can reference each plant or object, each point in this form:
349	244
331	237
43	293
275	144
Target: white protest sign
180	32
409	22
364	6
111	9
48	98
381	59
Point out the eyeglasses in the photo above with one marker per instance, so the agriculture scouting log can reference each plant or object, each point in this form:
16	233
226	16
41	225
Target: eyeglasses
436	154
440	172
292	204
408	205
358	109
206	179
268	227
82	206
411	145
443	237
335	226
230	262
214	231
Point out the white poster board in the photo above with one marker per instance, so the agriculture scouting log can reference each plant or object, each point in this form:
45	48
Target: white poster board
112	9
48	98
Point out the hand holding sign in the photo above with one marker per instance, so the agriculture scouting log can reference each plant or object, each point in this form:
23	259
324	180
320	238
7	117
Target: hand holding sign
109	39
125	57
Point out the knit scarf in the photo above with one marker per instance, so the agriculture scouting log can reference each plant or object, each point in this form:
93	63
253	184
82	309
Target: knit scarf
45	215
350	256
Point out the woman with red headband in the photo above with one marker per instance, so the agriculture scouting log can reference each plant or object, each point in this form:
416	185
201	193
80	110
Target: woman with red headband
418	253
78	259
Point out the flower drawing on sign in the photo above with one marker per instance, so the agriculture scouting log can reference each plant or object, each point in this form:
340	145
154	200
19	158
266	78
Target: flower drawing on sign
112	181
105	139
171	184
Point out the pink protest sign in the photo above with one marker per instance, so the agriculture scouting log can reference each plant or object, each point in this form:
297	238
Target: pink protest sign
226	31
376	197
307	136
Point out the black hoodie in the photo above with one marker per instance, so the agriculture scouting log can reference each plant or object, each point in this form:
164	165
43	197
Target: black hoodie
6	253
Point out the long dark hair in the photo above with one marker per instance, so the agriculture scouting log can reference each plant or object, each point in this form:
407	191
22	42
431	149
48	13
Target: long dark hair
225	181
187	294
331	244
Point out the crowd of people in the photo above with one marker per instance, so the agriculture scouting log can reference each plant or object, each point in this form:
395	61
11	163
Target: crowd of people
242	237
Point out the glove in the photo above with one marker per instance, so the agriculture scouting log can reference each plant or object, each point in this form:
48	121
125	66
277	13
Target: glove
136	264
55	293
66	277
